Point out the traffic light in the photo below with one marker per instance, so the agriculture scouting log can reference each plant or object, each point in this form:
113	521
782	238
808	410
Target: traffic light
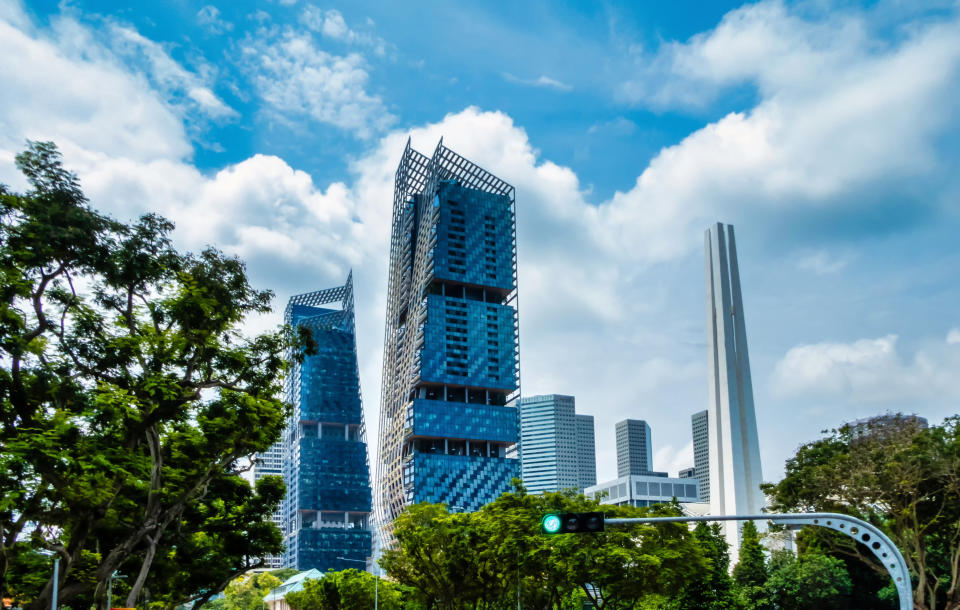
571	523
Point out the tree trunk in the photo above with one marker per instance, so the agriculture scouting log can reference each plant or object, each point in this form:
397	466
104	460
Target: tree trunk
144	570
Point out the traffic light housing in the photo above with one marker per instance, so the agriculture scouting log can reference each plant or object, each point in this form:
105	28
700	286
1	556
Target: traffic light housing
571	523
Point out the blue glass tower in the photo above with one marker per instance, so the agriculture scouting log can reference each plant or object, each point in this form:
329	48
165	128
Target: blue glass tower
448	416
328	502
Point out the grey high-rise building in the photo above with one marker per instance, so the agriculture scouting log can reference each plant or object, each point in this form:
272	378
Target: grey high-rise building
634	448
735	472
556	445
270	462
586	452
701	452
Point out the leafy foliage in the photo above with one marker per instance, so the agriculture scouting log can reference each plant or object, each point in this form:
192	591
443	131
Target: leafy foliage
488	558
347	590
809	582
129	401
899	476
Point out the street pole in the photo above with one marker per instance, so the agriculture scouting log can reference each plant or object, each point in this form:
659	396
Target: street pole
56	575
56	582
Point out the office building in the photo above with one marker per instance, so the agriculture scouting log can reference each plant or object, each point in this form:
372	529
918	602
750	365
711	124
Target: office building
328	502
882	426
634	448
734	449
451	366
270	462
687	473
701	452
644	490
556	445
586	452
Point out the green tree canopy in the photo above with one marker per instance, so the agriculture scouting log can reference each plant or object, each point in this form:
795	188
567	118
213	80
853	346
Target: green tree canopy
809	582
346	590
129	401
485	559
751	570
898	475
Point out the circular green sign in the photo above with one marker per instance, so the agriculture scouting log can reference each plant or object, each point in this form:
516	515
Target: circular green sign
551	524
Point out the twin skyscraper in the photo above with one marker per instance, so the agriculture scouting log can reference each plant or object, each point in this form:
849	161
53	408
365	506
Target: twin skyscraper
449	424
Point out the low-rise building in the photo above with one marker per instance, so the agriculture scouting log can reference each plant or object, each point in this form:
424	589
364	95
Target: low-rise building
645	490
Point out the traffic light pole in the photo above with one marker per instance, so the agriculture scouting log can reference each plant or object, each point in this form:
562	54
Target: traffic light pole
879	544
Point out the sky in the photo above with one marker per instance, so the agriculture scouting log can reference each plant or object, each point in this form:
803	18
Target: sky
825	131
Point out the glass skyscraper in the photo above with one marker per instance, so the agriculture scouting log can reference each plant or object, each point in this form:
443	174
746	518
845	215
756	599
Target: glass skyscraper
634	449
327	508
556	444
451	364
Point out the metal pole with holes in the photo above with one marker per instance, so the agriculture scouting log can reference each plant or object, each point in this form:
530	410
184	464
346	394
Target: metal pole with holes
861	531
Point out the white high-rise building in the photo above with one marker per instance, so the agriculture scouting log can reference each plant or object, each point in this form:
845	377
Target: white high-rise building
735	472
556	445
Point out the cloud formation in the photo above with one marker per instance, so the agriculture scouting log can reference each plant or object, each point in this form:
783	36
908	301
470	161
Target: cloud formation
598	280
297	79
541	81
871	372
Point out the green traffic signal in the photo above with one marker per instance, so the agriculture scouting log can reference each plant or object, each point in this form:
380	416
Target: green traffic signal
550	524
572	523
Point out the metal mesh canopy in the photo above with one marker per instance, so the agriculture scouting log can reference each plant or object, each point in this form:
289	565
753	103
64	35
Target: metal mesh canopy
338	294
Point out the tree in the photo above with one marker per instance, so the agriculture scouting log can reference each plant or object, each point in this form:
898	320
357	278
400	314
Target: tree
898	475
810	582
488	558
129	398
346	590
751	571
711	588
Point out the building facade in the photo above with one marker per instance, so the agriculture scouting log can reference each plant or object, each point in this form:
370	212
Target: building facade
586	452
270	462
556	445
700	428
734	448
328	502
451	358
644	490
634	447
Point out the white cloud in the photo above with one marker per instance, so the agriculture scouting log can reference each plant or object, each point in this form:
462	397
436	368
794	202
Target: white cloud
542	81
99	104
168	74
209	17
870	372
333	26
672	460
595	317
812	141
620	126
822	262
296	78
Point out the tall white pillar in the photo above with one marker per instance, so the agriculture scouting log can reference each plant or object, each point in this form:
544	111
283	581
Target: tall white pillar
735	472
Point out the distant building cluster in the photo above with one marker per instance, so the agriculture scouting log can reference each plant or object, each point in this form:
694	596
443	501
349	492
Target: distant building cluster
453	426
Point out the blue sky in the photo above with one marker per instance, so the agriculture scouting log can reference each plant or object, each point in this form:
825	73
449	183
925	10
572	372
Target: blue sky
826	132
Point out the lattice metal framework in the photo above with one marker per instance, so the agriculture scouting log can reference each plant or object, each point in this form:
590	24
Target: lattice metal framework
326	468
416	217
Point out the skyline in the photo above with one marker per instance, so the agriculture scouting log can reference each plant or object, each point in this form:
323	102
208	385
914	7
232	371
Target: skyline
825	138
